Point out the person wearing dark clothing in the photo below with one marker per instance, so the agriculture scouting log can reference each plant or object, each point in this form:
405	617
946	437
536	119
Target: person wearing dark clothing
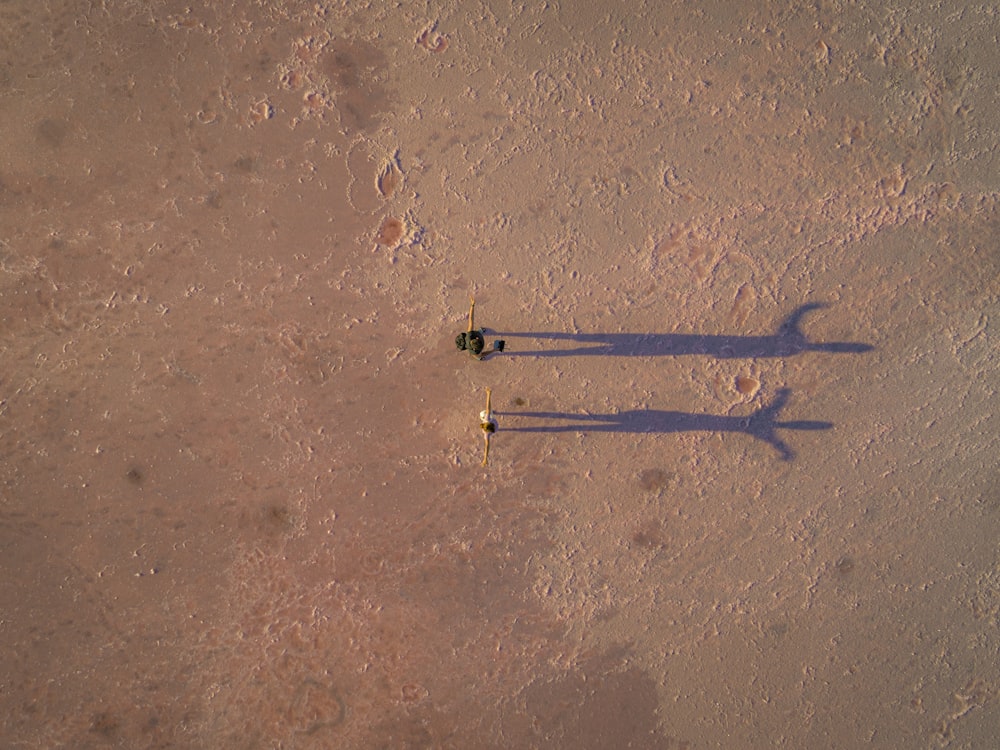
474	340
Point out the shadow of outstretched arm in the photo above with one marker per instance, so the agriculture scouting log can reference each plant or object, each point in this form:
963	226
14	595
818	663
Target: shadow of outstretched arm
762	424
787	341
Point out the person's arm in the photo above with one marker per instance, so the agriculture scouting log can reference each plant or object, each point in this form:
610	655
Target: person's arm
496	346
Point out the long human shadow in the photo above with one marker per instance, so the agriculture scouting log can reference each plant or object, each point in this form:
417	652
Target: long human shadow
788	340
762	424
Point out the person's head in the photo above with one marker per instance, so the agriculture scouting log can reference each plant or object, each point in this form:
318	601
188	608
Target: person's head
472	340
475	342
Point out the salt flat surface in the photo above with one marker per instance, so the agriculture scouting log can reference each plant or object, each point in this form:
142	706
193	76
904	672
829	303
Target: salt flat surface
744	488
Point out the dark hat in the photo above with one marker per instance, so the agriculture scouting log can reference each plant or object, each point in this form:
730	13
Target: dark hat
476	341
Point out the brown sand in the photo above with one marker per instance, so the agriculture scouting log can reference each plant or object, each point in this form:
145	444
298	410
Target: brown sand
242	504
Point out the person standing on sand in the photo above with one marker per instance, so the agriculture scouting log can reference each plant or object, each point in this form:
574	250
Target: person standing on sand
488	424
474	340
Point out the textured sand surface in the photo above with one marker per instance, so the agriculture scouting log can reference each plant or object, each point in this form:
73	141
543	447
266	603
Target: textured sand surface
745	487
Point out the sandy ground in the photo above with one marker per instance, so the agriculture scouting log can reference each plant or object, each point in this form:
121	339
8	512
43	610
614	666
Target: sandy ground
745	487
